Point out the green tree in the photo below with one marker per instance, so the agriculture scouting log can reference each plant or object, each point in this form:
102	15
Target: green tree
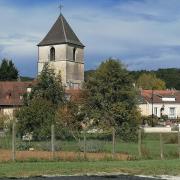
49	87
87	74
4	121
69	120
41	105
8	71
171	76
111	97
36	118
150	81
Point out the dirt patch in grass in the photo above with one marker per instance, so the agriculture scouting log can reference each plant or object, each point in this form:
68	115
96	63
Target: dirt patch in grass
6	155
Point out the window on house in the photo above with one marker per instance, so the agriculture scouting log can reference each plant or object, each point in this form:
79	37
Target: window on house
155	111
172	111
74	54
52	54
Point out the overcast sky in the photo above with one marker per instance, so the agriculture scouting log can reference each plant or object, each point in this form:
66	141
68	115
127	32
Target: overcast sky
144	34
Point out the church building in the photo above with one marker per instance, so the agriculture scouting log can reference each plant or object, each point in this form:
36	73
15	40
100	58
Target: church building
64	52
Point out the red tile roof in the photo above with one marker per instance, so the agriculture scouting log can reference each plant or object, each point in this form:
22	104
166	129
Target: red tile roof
159	94
11	92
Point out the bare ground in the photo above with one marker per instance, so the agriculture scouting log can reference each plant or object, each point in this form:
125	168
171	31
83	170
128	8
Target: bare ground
6	155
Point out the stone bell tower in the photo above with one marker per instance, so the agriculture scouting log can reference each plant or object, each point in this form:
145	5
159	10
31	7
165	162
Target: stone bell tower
64	52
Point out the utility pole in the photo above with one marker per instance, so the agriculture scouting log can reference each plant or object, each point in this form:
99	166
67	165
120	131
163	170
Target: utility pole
152	124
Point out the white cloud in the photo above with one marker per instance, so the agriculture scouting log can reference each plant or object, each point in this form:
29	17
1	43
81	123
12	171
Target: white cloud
136	31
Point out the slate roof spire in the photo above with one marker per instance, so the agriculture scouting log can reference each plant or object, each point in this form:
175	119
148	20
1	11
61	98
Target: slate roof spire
61	33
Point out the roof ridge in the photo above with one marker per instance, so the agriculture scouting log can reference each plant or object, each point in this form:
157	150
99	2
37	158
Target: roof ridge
60	33
61	17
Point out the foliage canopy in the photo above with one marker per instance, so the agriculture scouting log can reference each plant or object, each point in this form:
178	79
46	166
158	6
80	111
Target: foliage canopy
49	87
150	81
8	71
111	97
36	118
41	105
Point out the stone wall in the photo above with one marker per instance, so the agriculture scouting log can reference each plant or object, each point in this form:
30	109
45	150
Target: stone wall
72	71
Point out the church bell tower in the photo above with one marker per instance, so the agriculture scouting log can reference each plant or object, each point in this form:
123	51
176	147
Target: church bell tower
64	52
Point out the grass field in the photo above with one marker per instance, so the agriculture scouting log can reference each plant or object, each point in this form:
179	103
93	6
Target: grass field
148	167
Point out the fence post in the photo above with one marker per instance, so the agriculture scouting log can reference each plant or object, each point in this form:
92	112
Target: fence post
161	146
84	143
139	143
179	143
13	141
113	142
52	141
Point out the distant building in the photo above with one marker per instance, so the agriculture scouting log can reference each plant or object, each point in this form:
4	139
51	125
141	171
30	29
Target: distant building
11	95
160	102
64	52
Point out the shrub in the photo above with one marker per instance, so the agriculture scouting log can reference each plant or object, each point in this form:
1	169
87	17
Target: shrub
164	117
5	142
145	152
171	139
23	146
127	133
63	133
92	146
172	154
46	146
149	120
100	136
5	121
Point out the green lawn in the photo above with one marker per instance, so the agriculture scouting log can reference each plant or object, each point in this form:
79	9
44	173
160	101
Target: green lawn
148	167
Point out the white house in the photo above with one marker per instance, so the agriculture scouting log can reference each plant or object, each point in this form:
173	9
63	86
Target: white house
160	102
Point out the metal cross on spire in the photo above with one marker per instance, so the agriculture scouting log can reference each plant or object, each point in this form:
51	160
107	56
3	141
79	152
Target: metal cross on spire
60	8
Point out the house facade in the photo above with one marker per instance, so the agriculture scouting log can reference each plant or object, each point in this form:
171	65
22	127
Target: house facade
11	95
160	103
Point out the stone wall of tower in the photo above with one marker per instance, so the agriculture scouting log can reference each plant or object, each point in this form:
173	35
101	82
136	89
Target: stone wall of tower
75	68
72	71
44	52
79	54
60	59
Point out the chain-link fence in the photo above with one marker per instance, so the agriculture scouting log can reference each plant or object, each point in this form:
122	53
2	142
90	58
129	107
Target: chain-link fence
94	144
159	145
5	146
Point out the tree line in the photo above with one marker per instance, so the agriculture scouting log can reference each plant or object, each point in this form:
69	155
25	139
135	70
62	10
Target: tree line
9	72
171	76
159	79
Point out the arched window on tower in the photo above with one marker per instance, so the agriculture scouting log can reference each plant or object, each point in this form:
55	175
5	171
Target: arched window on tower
52	54
74	54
